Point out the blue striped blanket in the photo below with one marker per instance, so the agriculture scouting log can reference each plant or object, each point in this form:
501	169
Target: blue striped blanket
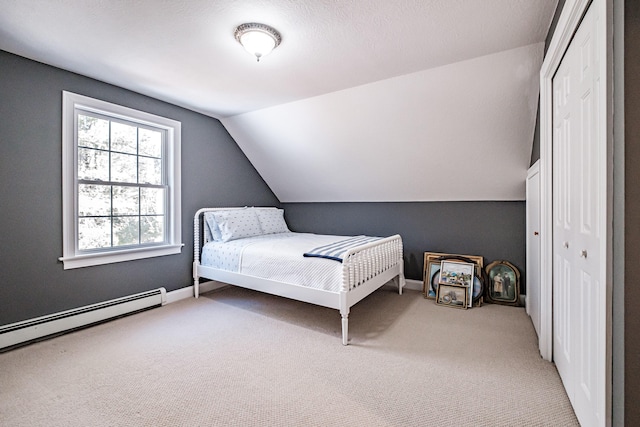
336	250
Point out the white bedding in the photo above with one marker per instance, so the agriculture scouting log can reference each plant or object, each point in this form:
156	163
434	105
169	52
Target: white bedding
278	257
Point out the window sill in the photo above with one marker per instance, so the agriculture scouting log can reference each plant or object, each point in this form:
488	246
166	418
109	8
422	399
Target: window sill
87	260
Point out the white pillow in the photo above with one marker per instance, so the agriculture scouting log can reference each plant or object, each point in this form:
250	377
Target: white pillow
214	231
238	223
272	221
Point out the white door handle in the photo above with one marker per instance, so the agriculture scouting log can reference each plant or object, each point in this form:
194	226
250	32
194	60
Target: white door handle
583	254
566	244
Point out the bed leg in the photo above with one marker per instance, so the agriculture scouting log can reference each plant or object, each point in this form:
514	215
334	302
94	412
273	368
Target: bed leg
345	329
196	279
399	281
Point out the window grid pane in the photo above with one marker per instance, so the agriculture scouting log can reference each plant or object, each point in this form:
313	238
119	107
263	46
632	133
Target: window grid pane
112	215
93	132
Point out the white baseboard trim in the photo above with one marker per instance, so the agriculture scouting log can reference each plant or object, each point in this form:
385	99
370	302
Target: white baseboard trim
187	292
414	285
30	330
180	294
38	328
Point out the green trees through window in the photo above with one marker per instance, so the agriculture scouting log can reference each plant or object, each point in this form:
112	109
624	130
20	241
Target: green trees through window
121	189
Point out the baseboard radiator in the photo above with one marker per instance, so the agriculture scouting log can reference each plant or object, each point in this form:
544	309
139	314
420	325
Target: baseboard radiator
54	324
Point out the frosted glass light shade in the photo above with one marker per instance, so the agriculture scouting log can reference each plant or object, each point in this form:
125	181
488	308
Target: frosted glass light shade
257	39
257	43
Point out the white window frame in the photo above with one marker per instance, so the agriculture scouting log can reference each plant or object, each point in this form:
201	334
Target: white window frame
72	257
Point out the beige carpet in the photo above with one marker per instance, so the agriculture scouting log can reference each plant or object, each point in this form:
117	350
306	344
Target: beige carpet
240	358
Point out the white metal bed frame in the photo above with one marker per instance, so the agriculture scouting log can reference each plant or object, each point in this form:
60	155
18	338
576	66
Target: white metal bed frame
364	269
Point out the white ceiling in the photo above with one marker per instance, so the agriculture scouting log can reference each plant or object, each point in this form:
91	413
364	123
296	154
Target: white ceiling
393	80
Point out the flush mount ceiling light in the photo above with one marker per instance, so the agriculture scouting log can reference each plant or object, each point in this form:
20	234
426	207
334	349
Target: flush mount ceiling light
257	39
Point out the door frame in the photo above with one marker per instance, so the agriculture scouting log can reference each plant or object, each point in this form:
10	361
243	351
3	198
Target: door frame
533	171
568	23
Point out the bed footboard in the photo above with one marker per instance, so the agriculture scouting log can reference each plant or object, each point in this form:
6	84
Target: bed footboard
371	260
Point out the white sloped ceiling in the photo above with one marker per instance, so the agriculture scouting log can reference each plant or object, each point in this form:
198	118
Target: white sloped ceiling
364	100
462	131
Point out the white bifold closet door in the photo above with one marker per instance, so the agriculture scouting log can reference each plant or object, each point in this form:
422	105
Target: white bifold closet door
578	338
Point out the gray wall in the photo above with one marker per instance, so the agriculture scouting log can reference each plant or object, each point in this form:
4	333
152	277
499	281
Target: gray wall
215	172
631	296
494	230
535	149
554	24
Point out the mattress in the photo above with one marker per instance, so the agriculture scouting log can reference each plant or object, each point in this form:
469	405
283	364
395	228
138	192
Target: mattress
278	257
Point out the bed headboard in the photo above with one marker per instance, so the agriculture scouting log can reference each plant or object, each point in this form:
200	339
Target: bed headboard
202	233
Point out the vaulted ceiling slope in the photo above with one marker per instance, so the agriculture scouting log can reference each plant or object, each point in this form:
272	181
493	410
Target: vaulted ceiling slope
458	132
370	100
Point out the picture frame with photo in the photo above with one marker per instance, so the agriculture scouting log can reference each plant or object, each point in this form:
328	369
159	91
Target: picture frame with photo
431	278
458	273
453	295
503	283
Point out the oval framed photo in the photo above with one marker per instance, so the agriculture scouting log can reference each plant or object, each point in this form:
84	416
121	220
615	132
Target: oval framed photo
503	283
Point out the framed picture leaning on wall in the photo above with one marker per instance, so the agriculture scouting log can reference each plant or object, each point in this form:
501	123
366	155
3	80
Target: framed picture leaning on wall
431	278
451	295
503	283
458	273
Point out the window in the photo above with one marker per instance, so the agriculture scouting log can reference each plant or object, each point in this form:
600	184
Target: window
121	183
